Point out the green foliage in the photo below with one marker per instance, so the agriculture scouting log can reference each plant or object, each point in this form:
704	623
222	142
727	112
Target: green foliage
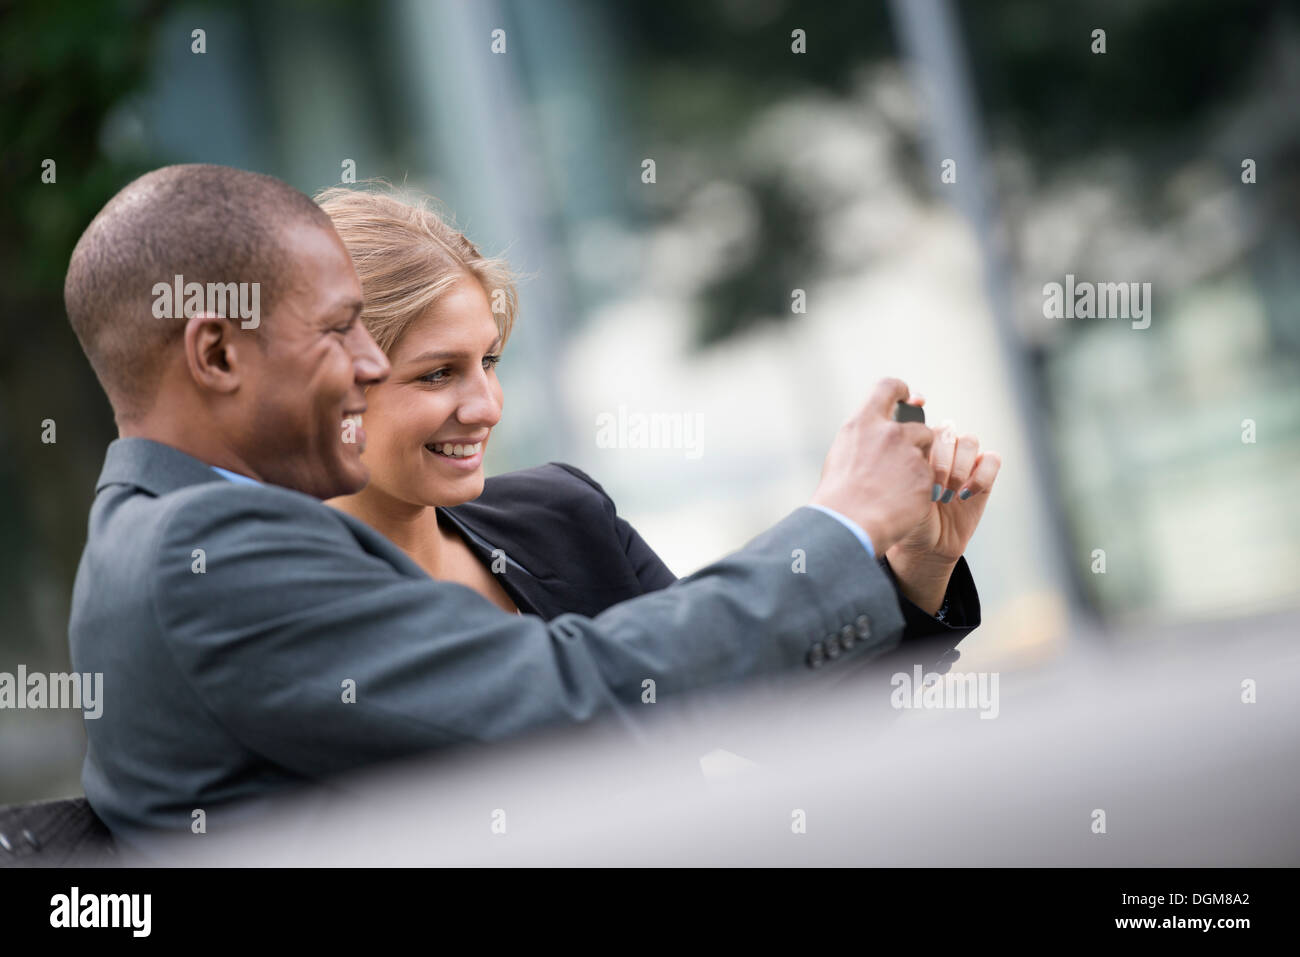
63	66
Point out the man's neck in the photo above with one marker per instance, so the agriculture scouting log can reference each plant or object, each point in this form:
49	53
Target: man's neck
195	442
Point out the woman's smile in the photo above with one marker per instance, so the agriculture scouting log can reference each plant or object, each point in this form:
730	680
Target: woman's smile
462	456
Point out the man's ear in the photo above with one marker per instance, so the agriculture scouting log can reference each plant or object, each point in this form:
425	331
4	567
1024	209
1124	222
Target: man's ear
213	352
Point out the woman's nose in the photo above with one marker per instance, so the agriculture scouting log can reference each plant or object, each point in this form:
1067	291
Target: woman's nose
482	403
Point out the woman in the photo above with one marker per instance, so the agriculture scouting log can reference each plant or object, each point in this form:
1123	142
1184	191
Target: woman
544	540
541	541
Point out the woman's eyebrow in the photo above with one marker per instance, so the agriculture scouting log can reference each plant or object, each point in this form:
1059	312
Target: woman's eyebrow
428	356
446	354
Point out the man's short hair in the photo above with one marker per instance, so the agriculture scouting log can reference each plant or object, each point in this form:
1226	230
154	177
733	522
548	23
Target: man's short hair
208	224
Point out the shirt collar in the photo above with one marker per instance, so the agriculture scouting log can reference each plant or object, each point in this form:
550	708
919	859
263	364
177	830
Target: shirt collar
236	477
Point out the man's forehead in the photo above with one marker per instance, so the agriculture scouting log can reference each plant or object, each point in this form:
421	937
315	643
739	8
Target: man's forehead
321	275
315	245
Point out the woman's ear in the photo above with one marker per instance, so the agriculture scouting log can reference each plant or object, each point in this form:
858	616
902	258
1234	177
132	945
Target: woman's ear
212	352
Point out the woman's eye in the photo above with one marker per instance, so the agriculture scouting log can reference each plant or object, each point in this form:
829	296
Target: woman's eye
441	375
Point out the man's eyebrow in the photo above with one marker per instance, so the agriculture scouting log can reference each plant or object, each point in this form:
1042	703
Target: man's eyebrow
351	306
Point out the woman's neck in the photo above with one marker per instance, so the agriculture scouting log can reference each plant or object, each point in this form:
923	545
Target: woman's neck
412	528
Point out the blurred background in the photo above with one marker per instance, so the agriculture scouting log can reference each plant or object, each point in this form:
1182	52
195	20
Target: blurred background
737	215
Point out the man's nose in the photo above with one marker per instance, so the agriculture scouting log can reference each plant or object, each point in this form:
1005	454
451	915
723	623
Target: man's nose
369	363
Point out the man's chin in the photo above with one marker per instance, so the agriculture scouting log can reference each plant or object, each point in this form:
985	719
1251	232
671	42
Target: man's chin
349	480
357	479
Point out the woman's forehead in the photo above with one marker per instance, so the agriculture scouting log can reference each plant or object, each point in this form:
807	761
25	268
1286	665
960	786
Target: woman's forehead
459	324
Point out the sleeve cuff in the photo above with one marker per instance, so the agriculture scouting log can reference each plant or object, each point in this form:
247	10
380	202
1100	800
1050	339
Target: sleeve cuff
959	614
851	525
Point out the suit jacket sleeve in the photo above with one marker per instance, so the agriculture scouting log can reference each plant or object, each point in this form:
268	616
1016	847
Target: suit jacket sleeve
925	638
321	647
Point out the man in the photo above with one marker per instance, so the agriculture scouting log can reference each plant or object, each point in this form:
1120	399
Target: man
252	638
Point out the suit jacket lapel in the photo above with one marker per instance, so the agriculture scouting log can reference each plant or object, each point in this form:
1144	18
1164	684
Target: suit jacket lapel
527	592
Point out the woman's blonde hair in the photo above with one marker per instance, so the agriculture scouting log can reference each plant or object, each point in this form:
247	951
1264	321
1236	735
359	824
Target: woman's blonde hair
408	256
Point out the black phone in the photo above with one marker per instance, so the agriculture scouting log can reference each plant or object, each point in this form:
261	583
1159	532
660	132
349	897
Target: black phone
903	412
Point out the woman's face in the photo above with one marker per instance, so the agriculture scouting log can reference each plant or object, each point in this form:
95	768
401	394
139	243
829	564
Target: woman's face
443	393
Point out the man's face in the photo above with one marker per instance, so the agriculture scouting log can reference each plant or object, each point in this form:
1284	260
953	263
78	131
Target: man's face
305	380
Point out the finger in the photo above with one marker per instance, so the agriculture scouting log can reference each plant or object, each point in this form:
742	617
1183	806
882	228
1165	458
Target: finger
887	394
941	454
918	434
986	469
963	460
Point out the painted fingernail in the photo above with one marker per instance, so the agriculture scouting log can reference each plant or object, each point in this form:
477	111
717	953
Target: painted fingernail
965	494
934	492
947	497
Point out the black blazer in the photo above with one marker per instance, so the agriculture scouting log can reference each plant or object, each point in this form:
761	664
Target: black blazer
566	549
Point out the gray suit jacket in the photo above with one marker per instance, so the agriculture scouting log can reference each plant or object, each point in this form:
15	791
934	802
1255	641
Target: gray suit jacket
252	638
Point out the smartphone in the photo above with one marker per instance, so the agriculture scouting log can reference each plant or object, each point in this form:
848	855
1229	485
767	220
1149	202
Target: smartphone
903	412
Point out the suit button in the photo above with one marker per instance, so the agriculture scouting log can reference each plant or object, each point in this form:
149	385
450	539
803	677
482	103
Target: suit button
863	627
848	637
816	655
833	648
